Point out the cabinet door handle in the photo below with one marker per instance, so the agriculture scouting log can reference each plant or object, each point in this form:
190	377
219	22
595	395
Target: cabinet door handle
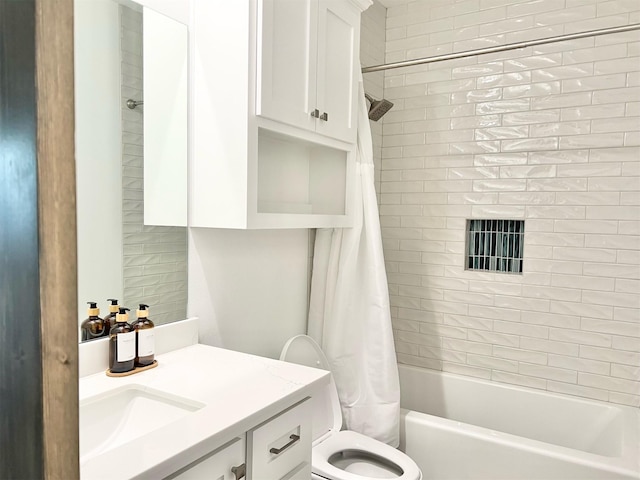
240	471
315	113
292	439
325	117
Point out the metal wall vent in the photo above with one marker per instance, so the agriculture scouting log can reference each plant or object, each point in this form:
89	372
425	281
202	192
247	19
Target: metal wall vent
495	245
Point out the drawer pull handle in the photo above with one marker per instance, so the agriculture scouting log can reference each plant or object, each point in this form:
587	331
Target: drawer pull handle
292	439
315	113
240	471
325	117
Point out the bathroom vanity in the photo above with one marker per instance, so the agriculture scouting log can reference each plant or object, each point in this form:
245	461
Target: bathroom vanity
204	412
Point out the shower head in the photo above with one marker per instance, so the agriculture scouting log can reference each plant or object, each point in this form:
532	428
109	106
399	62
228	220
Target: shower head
378	107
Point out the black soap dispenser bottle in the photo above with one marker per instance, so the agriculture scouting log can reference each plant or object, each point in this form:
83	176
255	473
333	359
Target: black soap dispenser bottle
110	320
93	327
122	344
145	342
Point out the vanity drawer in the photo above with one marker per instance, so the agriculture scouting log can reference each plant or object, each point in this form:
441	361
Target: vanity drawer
281	447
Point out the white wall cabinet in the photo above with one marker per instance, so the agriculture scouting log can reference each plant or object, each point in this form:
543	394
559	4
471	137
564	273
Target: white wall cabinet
165	119
260	68
286	89
307	68
338	65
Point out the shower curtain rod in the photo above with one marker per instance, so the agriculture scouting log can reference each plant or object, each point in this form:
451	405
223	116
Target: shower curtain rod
501	48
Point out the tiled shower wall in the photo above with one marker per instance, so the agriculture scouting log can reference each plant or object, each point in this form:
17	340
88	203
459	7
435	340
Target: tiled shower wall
372	45
548	134
155	258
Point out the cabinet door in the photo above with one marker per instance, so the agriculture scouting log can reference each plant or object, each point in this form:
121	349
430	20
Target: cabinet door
338	44
217	465
286	69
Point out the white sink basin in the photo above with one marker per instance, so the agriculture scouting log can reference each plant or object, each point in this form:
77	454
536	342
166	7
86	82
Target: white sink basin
126	413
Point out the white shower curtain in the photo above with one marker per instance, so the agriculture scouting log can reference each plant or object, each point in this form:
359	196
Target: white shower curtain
349	312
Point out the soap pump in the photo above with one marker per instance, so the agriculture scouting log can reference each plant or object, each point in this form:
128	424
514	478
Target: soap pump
110	320
122	344
93	326
145	344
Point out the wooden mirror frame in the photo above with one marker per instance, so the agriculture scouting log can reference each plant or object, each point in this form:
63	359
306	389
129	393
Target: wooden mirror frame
57	232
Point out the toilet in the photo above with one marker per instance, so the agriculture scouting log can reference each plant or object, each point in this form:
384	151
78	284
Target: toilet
343	455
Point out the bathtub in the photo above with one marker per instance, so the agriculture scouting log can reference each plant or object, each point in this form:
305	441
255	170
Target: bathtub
457	427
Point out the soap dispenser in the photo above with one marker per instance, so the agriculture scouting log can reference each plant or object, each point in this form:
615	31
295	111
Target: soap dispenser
110	320
122	344
93	326
145	344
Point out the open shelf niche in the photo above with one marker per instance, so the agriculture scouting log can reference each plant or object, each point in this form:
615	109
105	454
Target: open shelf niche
299	177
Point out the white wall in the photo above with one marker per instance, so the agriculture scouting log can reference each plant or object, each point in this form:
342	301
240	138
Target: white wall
248	287
547	134
98	147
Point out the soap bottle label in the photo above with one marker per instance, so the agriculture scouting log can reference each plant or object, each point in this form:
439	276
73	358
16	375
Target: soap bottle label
126	346
146	342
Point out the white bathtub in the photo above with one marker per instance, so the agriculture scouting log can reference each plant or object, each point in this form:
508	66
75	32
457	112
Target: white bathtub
457	427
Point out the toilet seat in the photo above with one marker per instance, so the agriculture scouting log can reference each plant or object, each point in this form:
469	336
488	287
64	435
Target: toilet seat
346	440
328	440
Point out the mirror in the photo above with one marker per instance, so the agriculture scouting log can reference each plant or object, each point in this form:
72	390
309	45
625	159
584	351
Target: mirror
131	168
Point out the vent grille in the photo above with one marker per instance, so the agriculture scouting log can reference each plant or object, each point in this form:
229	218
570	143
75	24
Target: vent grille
495	245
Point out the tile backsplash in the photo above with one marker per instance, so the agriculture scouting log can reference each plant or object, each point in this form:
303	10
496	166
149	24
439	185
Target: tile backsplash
548	134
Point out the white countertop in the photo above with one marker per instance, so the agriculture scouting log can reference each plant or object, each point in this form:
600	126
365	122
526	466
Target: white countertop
239	391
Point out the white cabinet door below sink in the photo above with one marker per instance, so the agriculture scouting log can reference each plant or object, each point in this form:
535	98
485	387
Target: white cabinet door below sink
217	465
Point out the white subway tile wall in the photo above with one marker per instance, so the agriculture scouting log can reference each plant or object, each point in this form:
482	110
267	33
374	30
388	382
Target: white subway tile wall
548	134
155	258
372	48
